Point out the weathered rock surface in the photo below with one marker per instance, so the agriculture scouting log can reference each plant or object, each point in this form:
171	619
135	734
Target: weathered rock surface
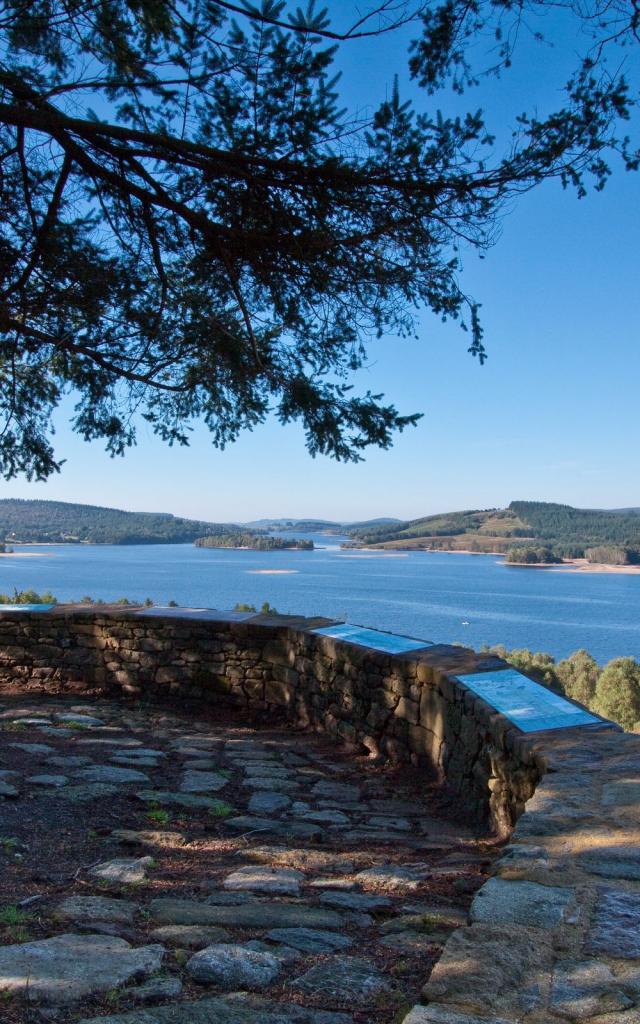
525	903
87	909
233	966
71	967
128	870
342	981
264	879
189	936
310	940
258	915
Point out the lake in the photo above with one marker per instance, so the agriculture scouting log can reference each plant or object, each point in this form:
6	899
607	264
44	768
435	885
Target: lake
423	594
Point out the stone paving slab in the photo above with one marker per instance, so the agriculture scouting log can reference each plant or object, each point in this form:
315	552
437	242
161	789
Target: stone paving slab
67	968
320	901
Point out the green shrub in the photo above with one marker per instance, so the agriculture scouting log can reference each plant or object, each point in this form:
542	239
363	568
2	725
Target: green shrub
618	692
578	675
28	597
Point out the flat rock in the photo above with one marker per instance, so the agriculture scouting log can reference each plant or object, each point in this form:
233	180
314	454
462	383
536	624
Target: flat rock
329	882
621	793
137	752
335	790
202	782
85	720
110	774
436	919
266	879
68	761
106	741
233	967
128	870
393	877
72	967
616	926
149	838
135	762
390	823
268	803
272	785
526	903
189	936
326	817
49	781
309	940
188	800
253	915
585	988
266	771
155	990
434	1014
613	862
496	970
354	901
87	909
283	954
236	1008
346	979
304	860
251	823
40	749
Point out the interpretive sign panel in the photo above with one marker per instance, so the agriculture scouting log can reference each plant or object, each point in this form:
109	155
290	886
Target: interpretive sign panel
376	639
26	607
527	704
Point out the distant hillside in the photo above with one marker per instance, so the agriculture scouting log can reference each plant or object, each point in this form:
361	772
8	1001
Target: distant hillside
300	525
566	531
62	522
318	525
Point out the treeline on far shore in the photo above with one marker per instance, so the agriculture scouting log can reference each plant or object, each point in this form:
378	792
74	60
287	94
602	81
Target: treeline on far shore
253	541
602	554
612	690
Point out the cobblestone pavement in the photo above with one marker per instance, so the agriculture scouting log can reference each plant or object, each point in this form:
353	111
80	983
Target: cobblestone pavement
172	868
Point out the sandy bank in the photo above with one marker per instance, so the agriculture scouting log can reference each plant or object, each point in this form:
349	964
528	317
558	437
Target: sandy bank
581	565
24	554
272	572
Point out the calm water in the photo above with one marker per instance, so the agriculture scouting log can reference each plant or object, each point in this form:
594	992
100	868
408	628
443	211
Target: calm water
425	595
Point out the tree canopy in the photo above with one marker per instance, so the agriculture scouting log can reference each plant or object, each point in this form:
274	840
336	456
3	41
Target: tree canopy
193	228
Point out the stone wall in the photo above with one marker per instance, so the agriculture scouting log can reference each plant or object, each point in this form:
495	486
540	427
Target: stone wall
406	708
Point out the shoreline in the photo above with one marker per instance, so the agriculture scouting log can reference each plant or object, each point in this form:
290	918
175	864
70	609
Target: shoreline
568	565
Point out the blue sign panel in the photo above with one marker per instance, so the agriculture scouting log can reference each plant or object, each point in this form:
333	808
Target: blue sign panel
26	607
527	704
376	639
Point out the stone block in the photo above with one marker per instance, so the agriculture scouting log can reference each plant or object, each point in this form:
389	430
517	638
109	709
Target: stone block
524	903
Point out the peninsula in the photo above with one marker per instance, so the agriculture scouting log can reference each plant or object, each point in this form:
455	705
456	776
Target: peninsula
528	533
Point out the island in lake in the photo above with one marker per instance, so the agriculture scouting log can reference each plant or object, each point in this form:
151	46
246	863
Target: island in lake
253	542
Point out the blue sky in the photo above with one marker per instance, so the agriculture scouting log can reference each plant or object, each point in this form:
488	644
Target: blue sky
551	416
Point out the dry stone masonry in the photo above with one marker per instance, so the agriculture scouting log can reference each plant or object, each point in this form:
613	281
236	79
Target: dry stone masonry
552	936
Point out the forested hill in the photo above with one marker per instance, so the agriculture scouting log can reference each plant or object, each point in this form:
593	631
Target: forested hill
566	531
62	522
